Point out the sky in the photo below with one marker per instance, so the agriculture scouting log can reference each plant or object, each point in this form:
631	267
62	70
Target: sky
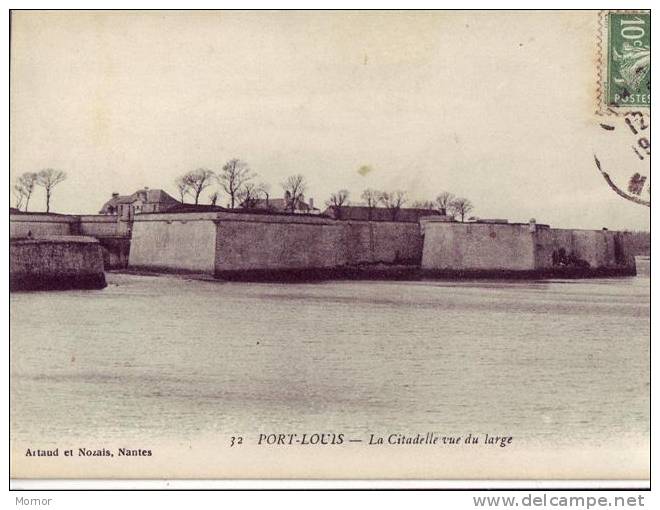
497	107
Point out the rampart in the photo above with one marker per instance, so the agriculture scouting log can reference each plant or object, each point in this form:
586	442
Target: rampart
113	235
174	242
55	262
477	247
258	245
382	242
504	249
36	225
240	245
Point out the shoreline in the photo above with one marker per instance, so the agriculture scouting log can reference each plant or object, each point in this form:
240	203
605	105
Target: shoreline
376	272
382	272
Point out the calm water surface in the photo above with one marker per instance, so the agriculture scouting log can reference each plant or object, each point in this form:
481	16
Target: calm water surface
561	361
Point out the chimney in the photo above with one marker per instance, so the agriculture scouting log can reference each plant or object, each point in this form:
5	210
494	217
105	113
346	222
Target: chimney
311	203
115	195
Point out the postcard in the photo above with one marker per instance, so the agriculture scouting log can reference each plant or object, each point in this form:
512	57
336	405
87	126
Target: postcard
330	245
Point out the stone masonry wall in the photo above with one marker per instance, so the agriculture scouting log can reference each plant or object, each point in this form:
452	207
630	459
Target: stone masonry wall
478	247
226	243
382	242
596	249
238	242
58	262
243	245
173	243
39	225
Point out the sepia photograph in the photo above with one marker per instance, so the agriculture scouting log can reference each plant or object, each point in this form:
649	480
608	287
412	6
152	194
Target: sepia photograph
330	245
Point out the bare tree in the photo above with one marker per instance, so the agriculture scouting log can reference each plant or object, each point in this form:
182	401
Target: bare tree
214	198
443	201
294	190
248	196
233	176
182	187
18	196
48	179
460	207
337	200
371	197
264	189
195	182
23	189
393	201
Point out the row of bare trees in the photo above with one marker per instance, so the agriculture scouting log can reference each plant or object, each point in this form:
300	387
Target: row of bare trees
391	200
235	178
450	204
47	178
445	202
239	183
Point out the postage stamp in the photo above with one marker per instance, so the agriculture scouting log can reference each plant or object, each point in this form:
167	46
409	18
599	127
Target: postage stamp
625	61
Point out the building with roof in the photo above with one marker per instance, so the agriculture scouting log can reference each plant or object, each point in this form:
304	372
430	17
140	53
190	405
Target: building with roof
365	213
142	201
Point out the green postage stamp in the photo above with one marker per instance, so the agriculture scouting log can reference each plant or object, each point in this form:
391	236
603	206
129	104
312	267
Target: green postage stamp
628	64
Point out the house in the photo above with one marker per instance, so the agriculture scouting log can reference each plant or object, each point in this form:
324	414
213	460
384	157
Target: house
142	201
283	205
365	213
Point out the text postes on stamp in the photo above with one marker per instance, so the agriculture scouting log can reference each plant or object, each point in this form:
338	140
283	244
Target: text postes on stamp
623	153
628	79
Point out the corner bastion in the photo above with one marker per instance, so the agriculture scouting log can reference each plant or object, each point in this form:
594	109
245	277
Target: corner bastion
113	234
239	245
55	262
501	249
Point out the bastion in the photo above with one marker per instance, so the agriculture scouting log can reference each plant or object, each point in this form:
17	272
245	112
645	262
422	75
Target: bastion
112	233
502	249
55	262
248	246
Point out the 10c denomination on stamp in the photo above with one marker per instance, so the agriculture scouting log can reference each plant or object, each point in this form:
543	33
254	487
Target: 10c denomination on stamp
626	59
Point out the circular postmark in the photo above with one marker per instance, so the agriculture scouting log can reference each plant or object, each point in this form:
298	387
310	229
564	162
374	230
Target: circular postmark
624	156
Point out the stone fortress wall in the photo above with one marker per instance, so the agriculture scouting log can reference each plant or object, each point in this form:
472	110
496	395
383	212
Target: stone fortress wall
24	225
450	246
244	245
463	249
174	242
56	262
113	235
230	244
